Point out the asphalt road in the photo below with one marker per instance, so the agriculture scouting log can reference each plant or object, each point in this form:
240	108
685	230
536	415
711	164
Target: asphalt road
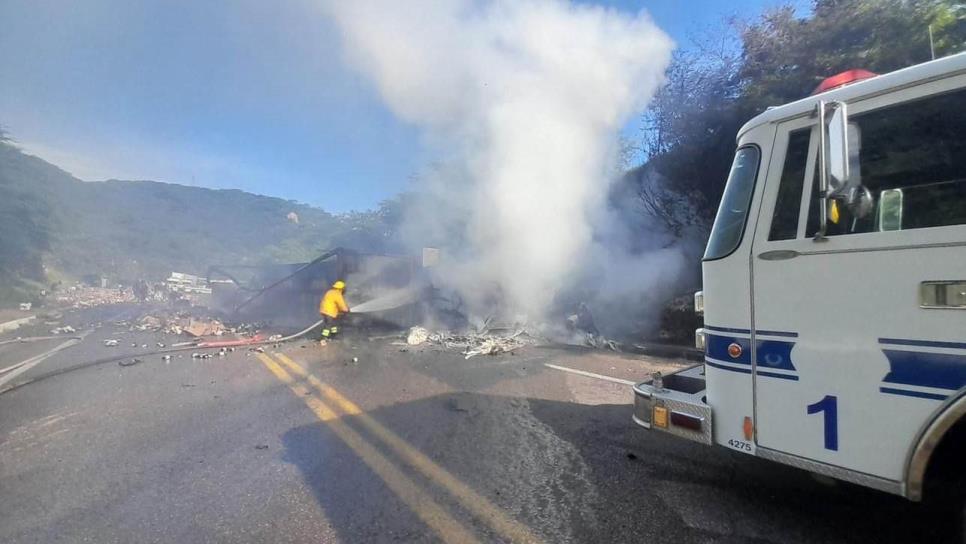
369	441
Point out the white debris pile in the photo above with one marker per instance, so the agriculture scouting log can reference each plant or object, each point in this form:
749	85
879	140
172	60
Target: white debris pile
598	342
472	344
417	335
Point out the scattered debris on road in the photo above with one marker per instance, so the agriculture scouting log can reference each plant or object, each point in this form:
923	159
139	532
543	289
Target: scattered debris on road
110	343
473	344
493	345
63	330
130	362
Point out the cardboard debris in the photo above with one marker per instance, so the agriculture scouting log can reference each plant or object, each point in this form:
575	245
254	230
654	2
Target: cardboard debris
211	327
182	323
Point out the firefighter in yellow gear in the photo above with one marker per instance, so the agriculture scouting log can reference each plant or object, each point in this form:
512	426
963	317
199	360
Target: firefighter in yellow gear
332	306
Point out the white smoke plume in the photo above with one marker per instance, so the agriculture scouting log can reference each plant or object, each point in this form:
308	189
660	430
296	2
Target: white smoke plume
525	100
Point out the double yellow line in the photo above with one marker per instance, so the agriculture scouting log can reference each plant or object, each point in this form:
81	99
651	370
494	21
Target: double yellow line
419	501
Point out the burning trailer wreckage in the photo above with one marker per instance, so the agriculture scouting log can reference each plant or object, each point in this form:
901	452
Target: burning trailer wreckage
391	298
388	296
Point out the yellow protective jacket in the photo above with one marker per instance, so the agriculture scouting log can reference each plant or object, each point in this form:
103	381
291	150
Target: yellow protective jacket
333	303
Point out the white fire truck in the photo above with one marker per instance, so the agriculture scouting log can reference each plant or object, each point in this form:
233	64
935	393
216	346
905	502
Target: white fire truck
834	288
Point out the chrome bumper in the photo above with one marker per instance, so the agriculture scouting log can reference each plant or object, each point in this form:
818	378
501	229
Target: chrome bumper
677	408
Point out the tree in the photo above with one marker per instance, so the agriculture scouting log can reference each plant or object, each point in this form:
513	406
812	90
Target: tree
716	86
689	133
785	57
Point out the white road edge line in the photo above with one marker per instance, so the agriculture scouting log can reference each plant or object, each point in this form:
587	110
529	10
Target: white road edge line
12	367
589	374
37	359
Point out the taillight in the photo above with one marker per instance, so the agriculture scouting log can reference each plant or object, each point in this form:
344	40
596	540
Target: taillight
687	421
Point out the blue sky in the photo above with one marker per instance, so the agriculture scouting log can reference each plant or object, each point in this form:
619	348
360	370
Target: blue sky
248	94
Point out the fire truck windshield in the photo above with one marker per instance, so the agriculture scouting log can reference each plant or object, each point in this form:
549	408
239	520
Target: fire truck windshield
729	224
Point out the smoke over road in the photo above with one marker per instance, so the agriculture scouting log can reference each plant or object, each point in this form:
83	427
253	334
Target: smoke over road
525	99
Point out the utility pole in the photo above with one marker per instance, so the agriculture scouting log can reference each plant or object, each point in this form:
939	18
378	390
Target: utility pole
932	46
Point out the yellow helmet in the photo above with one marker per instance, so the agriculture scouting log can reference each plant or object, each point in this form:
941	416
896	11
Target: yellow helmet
338	285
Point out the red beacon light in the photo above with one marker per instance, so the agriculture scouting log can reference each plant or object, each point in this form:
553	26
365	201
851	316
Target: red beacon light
840	80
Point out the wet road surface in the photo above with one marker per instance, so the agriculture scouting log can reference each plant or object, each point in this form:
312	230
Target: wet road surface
370	441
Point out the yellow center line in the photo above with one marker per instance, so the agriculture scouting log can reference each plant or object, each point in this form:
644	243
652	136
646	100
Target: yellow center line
471	500
431	513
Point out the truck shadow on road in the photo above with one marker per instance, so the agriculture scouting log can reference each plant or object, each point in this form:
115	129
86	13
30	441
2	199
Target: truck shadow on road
579	473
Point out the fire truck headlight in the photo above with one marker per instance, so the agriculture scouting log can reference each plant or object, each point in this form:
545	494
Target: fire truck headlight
699	302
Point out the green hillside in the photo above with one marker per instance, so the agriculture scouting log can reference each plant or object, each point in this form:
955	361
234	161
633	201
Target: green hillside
53	225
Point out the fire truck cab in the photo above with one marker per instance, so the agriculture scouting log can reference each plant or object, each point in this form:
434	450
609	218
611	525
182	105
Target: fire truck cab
834	286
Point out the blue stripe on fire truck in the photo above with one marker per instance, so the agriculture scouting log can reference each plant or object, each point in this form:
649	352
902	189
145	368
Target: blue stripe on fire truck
923	374
774	356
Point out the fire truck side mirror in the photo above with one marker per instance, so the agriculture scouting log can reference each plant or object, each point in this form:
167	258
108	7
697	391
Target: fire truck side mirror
838	149
836	162
890	210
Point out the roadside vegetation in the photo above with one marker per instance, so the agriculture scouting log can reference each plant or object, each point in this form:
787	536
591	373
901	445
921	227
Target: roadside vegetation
719	82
